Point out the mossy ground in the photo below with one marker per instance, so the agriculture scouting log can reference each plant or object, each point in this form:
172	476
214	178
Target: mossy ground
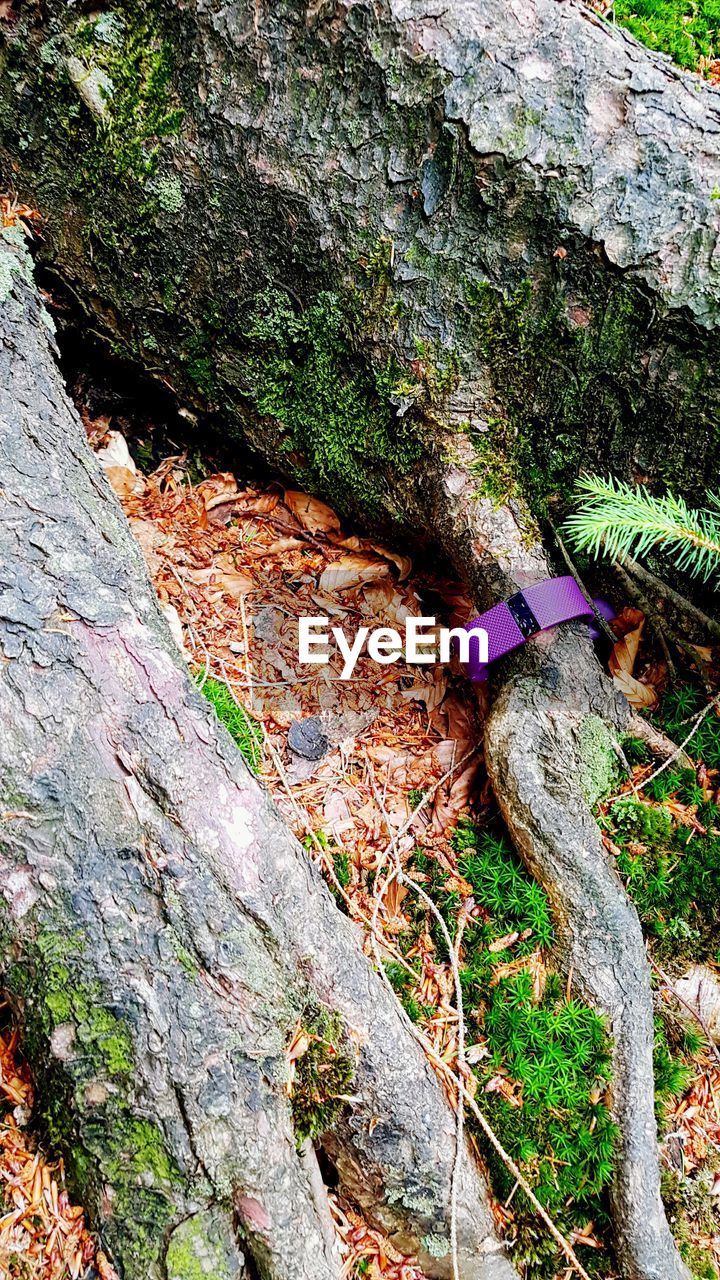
669	844
667	850
551	1051
688	30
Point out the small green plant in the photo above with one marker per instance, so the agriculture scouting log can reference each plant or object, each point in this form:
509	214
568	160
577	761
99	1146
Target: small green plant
324	1071
621	520
240	726
689	30
543	1067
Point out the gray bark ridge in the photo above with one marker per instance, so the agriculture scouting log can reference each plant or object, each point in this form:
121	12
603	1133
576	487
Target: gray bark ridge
626	144
163	931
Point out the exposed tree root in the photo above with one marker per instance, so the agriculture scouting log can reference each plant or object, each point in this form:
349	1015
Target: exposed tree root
663	589
552	694
149	883
91	683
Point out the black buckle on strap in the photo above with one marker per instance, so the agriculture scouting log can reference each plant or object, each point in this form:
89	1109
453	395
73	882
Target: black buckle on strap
523	615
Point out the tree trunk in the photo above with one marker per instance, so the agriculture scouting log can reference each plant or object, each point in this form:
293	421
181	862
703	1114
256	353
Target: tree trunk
430	259
163	934
514	200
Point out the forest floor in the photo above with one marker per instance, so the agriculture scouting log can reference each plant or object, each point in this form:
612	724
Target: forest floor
384	770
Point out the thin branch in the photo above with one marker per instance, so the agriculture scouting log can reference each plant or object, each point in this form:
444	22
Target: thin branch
696	722
662	588
658	742
602	622
686	1004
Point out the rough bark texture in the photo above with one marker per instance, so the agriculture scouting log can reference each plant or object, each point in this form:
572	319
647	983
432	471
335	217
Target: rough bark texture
482	215
519	187
162	932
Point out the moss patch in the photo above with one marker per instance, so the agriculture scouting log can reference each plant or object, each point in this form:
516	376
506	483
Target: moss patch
600	765
670	868
323	1072
246	731
336	406
109	1149
544	1068
201	1249
559	361
130	68
689	30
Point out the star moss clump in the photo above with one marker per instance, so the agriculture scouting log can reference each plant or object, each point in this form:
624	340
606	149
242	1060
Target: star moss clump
543	1060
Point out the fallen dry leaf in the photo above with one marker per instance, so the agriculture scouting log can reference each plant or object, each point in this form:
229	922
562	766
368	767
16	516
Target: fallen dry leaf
314	515
218	490
122	480
350	570
115	453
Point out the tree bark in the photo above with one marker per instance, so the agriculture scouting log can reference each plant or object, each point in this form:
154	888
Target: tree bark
162	932
522	187
432	260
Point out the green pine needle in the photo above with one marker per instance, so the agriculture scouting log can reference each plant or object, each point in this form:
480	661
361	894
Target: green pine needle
619	520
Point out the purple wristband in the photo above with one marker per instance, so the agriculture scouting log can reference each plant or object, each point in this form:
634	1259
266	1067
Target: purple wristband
511	623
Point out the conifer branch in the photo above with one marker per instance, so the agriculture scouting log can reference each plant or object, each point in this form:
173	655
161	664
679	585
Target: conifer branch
619	520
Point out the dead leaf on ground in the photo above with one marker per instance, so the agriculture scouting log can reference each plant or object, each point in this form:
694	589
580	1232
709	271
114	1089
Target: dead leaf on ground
115	453
350	571
276	548
314	515
123	481
250	503
218	489
637	693
623	658
354	543
625	650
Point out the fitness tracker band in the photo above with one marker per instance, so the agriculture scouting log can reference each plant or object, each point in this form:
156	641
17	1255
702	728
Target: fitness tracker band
537	608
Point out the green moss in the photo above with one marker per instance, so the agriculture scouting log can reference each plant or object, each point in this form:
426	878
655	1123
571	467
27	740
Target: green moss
552	1051
495	466
109	1149
132	66
559	362
437	1246
246	732
323	1074
600	764
336	407
688	30
63	996
170	194
199	1249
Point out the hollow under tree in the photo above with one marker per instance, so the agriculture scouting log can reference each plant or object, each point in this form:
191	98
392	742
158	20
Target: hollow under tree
430	260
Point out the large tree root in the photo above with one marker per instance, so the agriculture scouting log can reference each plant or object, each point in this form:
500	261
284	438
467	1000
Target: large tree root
555	720
162	932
